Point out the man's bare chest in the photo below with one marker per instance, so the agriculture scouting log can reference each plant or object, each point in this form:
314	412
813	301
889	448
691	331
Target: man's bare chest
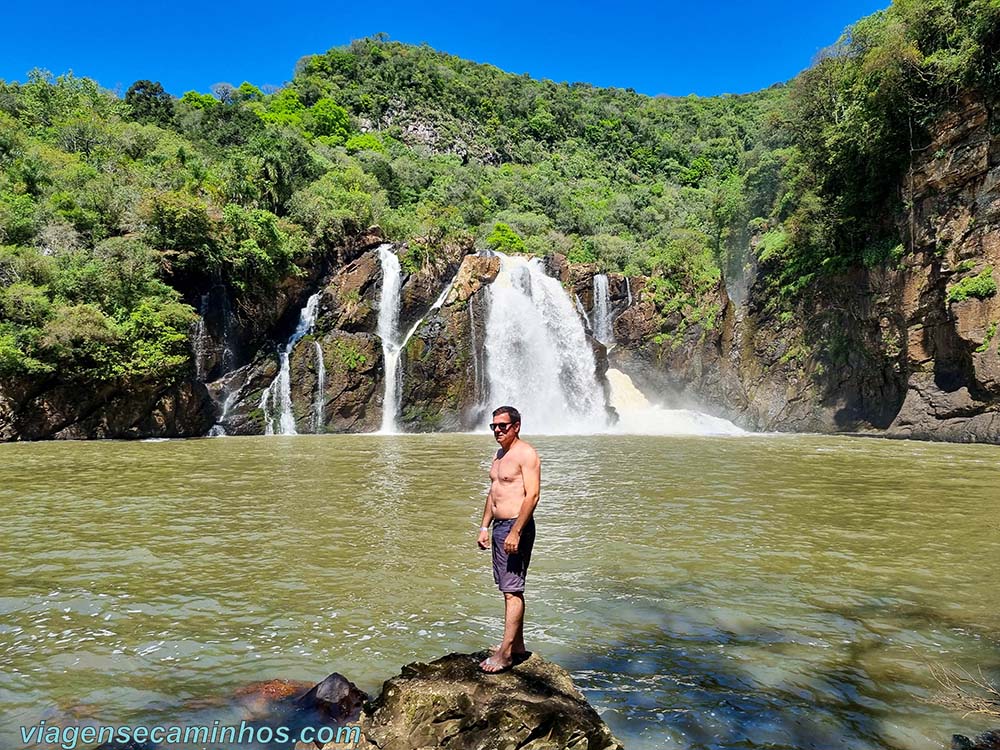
505	470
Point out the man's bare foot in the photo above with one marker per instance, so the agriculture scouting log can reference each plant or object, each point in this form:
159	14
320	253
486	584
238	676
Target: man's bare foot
493	664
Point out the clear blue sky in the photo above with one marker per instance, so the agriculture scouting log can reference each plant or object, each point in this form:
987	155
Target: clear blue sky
666	47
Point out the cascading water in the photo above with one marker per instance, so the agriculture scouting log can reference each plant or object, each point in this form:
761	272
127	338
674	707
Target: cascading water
202	339
228	361
538	358
602	311
583	313
219	428
279	392
320	403
628	292
388	331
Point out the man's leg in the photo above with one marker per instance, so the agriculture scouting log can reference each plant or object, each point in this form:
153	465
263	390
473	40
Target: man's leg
513	634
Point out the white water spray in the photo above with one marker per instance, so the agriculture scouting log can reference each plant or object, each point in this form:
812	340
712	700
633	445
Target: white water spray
637	416
538	358
279	392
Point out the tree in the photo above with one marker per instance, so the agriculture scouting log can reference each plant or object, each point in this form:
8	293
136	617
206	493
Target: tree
329	119
148	102
505	240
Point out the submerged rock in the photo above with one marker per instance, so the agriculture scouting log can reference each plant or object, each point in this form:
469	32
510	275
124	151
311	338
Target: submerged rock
261	700
451	703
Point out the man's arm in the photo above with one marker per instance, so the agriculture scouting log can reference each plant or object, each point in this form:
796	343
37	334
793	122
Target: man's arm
484	535
531	475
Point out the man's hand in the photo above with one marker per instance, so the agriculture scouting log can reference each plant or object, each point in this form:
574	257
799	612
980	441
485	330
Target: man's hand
484	539
511	542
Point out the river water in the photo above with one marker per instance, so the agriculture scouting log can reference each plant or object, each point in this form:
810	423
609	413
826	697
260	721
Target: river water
730	592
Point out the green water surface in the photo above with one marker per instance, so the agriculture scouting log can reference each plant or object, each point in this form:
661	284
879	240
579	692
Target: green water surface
745	592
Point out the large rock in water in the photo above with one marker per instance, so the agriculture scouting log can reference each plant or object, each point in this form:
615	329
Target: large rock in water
450	703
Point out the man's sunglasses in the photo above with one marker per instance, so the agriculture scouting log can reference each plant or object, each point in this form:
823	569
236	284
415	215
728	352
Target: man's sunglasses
502	426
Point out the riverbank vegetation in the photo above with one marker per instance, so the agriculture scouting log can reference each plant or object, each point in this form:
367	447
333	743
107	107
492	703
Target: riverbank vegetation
117	212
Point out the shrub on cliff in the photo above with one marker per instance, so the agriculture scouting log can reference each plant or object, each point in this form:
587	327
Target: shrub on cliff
980	286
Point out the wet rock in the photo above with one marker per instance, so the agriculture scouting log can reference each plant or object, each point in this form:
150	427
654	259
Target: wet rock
350	297
336	699
422	288
557	267
451	703
475	272
444	365
353	384
986	741
238	396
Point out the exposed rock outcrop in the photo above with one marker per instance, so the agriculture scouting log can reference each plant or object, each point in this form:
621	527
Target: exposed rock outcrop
43	409
835	365
444	369
351	356
342	353
450	703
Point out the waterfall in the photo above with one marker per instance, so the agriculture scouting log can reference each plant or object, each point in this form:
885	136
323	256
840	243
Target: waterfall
602	311
279	392
538	357
583	313
388	331
320	402
201	338
219	428
628	292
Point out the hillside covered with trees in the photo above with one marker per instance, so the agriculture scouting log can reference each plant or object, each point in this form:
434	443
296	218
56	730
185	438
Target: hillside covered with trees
116	213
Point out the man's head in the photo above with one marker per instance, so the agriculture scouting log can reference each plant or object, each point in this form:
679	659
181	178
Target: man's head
506	425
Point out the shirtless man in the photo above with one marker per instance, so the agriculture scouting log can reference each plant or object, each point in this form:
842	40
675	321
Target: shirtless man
515	478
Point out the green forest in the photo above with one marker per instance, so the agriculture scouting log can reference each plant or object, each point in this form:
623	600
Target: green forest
117	211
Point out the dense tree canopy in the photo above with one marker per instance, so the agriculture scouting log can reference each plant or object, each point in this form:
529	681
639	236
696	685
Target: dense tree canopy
114	213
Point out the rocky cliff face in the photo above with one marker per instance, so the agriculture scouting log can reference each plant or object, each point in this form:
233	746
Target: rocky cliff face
336	371
907	351
444	367
40	410
948	298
